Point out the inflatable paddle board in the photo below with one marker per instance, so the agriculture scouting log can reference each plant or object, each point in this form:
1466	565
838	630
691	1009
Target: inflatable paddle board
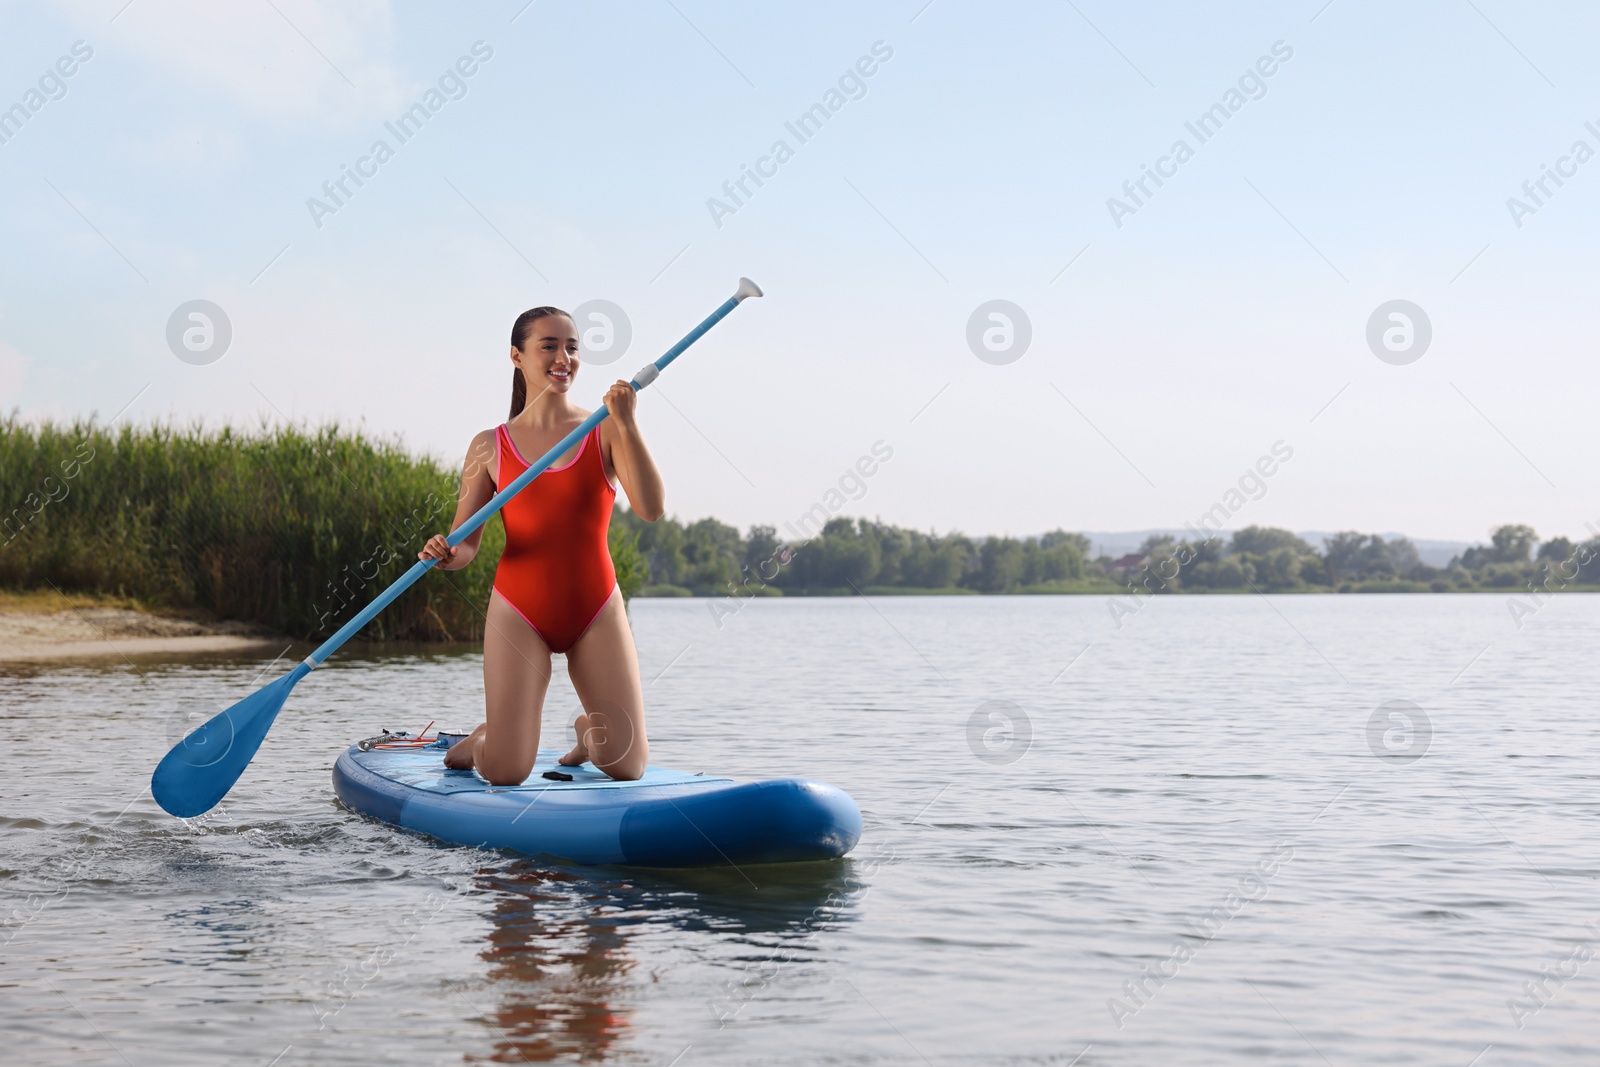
665	819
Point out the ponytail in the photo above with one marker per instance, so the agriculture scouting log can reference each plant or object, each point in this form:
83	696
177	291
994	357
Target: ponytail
519	392
519	334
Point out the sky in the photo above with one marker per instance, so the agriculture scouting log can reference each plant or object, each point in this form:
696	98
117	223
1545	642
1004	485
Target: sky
1181	339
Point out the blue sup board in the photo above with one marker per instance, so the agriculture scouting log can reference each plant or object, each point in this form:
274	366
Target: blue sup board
665	819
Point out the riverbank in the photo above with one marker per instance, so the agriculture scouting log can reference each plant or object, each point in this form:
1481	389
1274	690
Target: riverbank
1107	587
292	530
37	626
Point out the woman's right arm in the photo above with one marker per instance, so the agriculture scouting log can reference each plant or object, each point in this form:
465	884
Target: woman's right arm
477	486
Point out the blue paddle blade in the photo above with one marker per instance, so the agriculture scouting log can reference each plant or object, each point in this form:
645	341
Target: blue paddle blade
201	768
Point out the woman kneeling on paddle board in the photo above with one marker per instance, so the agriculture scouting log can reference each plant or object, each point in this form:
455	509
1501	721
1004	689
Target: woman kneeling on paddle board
555	589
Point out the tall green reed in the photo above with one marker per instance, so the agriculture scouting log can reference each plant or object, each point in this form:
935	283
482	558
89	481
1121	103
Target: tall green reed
289	528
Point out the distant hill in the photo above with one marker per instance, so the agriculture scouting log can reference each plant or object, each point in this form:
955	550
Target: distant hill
1433	553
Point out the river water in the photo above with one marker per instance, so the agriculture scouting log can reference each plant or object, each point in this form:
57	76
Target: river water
1287	830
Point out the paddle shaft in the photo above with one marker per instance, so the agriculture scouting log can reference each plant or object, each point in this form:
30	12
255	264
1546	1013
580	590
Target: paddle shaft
466	529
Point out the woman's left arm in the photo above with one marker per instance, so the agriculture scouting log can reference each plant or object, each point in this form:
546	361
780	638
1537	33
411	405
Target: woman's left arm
628	457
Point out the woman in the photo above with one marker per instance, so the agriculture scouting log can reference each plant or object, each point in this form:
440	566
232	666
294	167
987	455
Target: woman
555	589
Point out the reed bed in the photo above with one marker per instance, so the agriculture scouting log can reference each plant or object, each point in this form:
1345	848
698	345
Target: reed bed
289	528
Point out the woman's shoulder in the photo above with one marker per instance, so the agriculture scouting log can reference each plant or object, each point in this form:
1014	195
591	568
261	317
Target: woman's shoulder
482	451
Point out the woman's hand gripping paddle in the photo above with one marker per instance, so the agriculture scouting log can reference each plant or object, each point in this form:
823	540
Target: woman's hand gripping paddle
201	768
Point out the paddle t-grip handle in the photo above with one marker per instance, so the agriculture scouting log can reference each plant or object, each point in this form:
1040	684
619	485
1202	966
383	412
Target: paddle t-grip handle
646	374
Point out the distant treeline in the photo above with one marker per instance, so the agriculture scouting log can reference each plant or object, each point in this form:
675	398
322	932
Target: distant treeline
711	558
705	557
1274	560
296	530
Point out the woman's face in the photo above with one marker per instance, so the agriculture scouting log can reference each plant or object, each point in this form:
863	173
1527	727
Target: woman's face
549	355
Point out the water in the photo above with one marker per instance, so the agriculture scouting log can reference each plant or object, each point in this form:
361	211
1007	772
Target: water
1199	798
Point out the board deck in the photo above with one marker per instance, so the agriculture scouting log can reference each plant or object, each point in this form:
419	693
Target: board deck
667	818
423	768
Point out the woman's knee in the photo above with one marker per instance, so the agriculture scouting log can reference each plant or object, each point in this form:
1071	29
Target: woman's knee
506	778
629	767
505	772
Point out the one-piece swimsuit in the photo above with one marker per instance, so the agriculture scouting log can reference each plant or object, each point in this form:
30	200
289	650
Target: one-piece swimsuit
556	570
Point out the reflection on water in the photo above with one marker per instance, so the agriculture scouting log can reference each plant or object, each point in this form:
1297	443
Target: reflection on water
558	961
558	957
986	917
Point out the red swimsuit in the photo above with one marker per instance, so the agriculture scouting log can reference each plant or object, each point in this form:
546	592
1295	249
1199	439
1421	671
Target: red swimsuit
556	569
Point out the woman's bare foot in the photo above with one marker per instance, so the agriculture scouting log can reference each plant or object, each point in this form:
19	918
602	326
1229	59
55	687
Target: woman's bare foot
580	751
459	755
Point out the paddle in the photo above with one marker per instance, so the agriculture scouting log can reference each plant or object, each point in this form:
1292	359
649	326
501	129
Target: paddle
200	769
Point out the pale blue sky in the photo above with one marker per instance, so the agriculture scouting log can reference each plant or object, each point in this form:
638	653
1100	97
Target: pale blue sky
1219	319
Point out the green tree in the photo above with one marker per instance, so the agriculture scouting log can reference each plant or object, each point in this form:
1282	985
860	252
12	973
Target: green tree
842	555
1158	545
1512	544
760	548
1279	568
1313	570
633	571
1588	561
894	548
1062	537
1402	555
935	563
1230	573
713	552
1260	540
661	543
1557	549
1000	565
1342	555
1354	556
1057	562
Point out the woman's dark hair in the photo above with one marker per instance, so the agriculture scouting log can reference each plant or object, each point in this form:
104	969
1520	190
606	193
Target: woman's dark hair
519	334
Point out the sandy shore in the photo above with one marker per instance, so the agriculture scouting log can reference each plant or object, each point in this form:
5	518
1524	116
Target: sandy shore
82	631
